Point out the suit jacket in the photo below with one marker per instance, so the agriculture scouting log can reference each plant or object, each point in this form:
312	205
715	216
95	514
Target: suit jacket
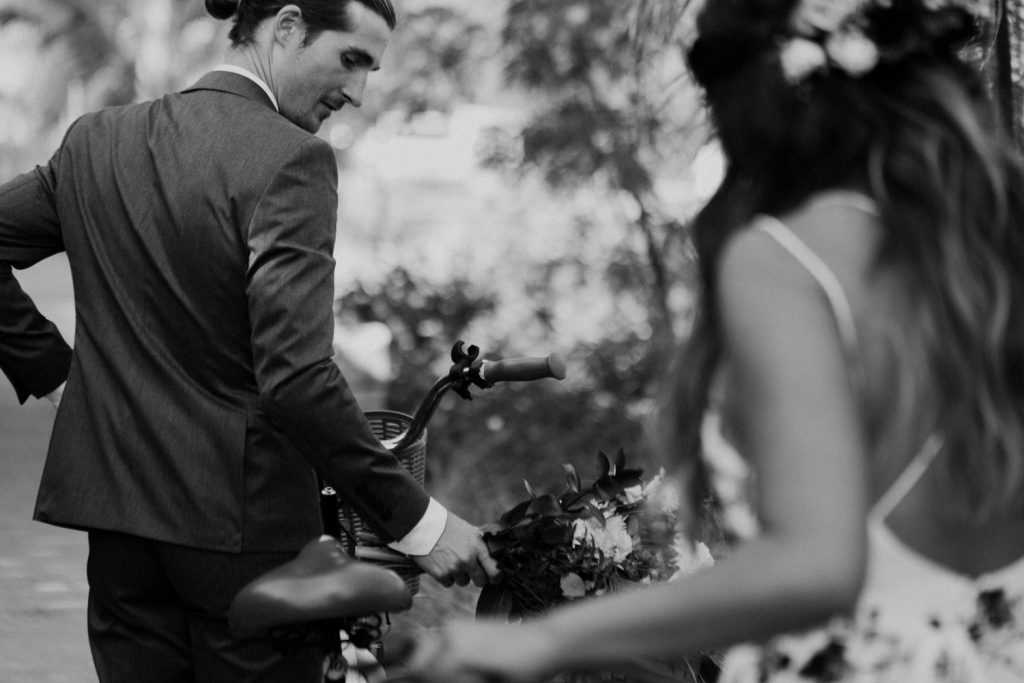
200	232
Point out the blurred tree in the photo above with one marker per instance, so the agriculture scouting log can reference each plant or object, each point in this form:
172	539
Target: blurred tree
66	57
434	61
613	121
617	108
85	33
439	57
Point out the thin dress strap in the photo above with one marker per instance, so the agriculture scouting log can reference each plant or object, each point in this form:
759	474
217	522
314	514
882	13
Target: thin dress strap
908	477
837	300
843	312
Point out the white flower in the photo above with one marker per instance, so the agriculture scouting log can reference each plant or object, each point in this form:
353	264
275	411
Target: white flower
853	52
661	494
800	58
689	558
579	532
612	539
652	484
739	661
827	16
864	653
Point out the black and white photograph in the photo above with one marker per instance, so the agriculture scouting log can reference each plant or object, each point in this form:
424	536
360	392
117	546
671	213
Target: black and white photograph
512	341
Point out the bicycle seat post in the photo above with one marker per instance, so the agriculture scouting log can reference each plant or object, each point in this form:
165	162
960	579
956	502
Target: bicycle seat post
330	507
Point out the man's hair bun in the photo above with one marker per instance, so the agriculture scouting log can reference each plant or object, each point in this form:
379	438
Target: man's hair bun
222	9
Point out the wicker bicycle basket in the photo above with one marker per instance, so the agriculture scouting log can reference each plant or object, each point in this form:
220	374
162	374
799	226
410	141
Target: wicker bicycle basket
388	424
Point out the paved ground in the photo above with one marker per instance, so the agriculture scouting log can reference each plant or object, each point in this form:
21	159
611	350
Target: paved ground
42	569
43	589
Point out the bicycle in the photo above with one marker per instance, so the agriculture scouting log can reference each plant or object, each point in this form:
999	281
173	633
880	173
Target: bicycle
332	594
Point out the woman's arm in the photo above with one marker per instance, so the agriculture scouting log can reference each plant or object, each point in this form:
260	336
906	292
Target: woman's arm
802	430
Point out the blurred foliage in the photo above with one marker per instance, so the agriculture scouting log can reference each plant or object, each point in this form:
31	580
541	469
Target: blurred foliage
67	57
616	105
612	113
612	107
437	52
480	451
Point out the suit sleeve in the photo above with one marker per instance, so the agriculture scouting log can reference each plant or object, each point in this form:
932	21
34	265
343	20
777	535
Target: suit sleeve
290	287
33	355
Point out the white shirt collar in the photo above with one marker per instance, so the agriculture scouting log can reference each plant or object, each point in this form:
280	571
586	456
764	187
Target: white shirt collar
231	68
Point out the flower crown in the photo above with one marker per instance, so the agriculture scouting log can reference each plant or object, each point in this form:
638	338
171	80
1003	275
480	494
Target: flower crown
835	33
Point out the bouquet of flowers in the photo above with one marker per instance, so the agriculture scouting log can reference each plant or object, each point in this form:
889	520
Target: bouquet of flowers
619	533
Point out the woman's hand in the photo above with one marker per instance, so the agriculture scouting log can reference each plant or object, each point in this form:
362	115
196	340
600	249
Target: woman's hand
478	652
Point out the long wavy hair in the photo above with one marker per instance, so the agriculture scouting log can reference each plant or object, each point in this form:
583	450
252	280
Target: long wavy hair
920	135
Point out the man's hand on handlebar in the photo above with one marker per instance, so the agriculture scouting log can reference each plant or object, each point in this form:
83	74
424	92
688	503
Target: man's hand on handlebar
460	556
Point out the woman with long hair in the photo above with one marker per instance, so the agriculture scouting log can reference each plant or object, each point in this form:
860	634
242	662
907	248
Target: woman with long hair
860	342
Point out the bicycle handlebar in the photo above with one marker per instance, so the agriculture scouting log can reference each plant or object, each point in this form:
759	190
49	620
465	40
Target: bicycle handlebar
522	369
468	370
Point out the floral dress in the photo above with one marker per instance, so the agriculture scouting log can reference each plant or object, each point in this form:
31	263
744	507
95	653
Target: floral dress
916	621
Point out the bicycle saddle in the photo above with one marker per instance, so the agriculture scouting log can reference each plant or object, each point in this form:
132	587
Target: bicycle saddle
322	583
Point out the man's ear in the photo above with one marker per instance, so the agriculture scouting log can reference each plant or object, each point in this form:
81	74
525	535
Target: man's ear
289	25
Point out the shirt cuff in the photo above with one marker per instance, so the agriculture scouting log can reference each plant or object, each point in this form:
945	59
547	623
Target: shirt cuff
423	537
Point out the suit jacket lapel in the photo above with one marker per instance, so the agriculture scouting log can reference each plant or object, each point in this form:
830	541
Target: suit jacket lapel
225	81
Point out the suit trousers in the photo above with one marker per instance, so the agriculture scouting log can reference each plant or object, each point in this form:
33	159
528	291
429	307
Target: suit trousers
158	614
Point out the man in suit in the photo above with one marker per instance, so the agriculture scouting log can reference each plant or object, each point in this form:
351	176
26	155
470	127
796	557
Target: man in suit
201	394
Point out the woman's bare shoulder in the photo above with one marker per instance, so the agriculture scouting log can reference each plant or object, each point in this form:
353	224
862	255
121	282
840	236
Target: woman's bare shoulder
843	235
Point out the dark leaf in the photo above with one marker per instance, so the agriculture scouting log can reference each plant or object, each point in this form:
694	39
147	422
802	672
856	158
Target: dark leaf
578	510
556	534
608	488
524	536
545	506
516	514
629	478
604	465
496	544
828	664
595	513
620	461
494	603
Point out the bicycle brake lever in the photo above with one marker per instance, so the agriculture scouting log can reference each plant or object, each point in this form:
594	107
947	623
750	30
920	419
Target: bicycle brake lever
461	375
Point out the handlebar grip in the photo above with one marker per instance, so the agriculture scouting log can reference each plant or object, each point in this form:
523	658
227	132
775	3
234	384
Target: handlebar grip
523	369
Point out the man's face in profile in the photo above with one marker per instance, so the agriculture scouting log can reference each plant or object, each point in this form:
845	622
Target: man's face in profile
319	78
